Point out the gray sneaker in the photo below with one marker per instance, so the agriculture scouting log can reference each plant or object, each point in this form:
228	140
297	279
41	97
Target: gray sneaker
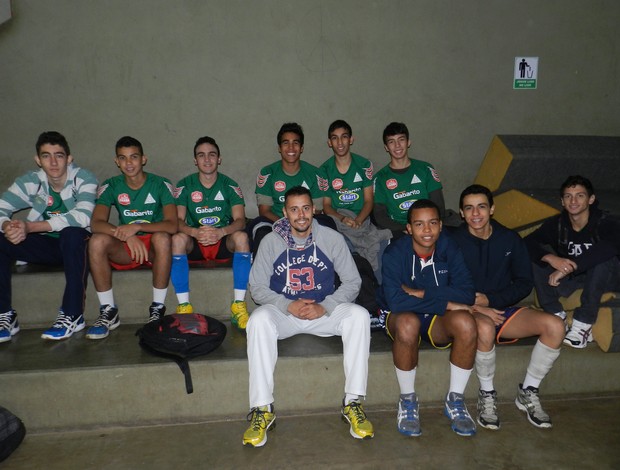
528	401
461	421
408	419
487	410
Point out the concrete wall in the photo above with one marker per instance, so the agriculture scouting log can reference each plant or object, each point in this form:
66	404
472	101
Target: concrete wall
169	71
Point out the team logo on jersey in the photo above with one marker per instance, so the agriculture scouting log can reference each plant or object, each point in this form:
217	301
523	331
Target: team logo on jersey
279	186
50	201
357	178
176	192
209	220
261	180
348	197
51	214
369	171
137	213
415	179
305	185
171	188
434	174
405	205
123	199
219	196
150	199
337	184
196	197
101	190
140	221
323	183
391	184
237	191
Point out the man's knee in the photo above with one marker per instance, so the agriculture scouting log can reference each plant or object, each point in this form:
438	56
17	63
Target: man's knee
405	328
240	240
486	330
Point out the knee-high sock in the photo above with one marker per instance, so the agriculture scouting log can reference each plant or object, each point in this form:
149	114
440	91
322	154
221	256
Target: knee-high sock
485	369
179	275
541	361
241	273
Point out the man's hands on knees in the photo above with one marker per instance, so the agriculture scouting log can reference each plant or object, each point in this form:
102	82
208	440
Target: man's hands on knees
306	309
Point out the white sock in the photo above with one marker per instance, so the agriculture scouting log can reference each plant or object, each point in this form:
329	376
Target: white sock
106	298
348	398
239	295
406	380
183	297
485	369
541	361
159	295
458	378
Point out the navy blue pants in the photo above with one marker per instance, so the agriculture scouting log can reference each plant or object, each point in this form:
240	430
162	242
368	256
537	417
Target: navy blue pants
69	250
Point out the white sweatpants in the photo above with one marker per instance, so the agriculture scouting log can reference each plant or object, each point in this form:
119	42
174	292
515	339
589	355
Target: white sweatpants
268	324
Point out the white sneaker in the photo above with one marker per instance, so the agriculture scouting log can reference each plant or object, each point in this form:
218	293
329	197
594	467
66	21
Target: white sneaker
579	335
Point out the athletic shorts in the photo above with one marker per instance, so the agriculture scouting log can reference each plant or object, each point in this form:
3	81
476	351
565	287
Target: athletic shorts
426	327
146	239
509	313
215	252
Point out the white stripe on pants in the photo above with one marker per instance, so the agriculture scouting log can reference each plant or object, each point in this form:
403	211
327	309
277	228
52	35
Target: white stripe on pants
268	324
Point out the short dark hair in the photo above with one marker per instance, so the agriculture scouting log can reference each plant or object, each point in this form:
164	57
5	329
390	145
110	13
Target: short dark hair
290	127
297	191
395	128
206	140
575	180
339	124
128	141
53	138
422	204
476	189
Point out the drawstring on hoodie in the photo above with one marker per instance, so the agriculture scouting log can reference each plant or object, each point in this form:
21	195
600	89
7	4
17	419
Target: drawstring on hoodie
424	264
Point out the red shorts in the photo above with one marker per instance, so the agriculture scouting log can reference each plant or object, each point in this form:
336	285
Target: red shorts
216	252
146	239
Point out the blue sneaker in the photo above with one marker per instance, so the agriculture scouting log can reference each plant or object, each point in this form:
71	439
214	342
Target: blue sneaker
9	326
455	409
108	320
408	419
64	327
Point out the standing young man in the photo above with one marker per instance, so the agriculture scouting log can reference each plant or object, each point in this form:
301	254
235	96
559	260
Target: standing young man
211	213
428	289
402	182
61	198
147	220
501	268
293	279
576	249
280	176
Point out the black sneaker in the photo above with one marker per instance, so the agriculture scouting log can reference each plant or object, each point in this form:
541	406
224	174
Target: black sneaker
156	312
108	320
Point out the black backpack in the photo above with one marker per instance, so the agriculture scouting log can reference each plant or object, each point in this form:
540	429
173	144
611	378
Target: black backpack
181	337
12	432
367	296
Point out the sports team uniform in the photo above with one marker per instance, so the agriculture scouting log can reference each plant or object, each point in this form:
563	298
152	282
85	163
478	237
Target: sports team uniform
346	191
137	206
398	190
272	182
209	207
443	276
500	267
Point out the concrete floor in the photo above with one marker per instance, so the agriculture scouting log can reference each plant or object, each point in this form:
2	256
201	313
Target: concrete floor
586	435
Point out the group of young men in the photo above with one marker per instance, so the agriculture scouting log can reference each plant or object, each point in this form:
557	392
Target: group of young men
460	289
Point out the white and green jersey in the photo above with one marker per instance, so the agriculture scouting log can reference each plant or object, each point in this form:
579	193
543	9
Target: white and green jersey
209	206
137	206
346	190
398	190
273	182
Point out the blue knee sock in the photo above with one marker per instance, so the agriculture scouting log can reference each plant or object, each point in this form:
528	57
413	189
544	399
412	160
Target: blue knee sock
179	274
241	270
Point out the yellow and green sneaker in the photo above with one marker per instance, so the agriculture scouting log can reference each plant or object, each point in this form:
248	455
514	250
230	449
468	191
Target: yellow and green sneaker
185	307
361	427
262	419
239	314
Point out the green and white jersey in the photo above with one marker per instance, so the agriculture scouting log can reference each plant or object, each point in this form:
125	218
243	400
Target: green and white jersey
55	208
137	206
273	182
346	191
205	206
398	190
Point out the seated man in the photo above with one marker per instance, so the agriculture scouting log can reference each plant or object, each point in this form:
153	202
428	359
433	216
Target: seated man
576	249
502	272
280	176
61	198
147	220
211	214
402	182
428	288
293	279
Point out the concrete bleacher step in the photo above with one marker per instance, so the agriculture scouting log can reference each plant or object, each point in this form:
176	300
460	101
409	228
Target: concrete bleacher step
82	384
37	294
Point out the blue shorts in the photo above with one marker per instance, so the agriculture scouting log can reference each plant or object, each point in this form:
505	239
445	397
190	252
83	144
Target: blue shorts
509	313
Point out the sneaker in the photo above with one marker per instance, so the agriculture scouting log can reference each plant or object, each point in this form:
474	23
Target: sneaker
262	419
361	427
377	322
156	311
408	419
527	400
579	335
239	314
487	410
9	326
185	307
64	327
455	409
108	320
